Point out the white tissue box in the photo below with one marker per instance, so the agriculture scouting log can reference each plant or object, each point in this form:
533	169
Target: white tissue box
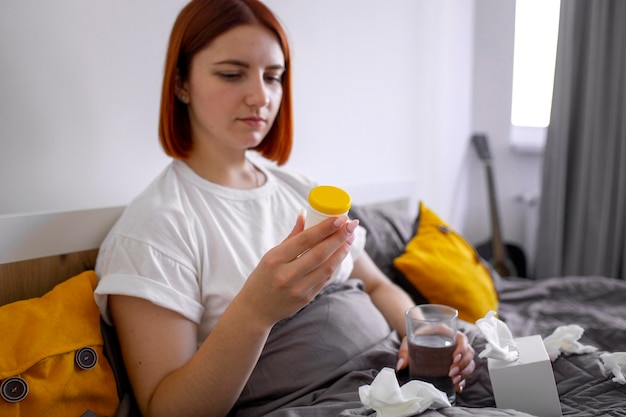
526	384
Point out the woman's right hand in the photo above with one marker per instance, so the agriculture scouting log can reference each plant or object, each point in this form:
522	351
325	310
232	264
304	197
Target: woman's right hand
291	274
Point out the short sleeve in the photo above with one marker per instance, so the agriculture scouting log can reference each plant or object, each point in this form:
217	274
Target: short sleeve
130	267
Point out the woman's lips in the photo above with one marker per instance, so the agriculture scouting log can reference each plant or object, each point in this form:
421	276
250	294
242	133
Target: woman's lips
253	121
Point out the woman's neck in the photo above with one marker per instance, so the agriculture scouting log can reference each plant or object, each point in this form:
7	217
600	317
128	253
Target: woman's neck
238	173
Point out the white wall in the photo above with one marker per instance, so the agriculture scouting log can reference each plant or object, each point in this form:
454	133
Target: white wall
80	93
516	173
383	91
378	93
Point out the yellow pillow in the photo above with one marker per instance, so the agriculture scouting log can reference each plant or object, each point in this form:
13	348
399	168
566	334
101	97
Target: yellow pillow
446	269
52	359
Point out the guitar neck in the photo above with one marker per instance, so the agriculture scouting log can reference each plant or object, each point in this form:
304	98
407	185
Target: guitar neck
500	260
499	252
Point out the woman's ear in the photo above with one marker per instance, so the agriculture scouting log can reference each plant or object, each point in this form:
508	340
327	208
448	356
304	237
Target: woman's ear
180	90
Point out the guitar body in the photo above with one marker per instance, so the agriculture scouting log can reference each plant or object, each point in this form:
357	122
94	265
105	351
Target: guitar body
514	264
507	259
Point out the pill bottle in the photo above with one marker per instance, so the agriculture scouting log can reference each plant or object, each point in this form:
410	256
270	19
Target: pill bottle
326	201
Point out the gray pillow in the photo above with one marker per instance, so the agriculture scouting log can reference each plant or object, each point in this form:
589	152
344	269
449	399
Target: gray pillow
388	233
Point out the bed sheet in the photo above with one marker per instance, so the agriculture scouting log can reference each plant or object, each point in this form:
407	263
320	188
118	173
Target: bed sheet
291	387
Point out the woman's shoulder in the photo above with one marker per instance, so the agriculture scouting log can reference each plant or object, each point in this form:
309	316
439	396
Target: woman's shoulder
157	209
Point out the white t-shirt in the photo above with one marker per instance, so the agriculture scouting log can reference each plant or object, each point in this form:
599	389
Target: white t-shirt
188	245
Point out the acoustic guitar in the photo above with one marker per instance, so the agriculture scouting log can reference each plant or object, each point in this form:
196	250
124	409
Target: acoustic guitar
507	259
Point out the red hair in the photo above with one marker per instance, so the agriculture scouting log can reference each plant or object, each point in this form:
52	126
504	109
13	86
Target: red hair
197	25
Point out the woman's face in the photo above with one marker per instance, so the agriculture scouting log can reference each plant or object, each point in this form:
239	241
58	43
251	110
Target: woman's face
234	89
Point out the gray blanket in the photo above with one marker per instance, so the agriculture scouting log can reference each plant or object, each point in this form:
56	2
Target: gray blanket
297	376
598	305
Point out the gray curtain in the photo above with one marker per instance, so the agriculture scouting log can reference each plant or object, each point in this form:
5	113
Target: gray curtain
582	213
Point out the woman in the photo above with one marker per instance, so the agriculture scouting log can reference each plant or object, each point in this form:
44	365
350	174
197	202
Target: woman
205	262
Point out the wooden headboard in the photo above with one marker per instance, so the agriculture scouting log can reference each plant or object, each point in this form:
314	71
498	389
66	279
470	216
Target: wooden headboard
39	250
38	276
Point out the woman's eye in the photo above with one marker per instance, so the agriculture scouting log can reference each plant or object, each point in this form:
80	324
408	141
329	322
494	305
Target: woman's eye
274	78
230	76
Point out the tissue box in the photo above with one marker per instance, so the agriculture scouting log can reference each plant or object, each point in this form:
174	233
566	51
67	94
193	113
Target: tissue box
527	384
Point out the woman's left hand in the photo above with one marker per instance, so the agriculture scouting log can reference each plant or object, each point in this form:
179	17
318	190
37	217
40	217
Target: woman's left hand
462	360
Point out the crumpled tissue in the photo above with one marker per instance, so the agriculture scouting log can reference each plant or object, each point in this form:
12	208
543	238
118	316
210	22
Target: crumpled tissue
565	340
500	343
616	363
386	397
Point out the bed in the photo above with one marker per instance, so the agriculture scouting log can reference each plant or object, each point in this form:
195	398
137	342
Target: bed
38	251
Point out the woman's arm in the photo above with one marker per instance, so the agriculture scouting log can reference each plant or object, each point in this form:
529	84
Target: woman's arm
172	377
392	301
169	374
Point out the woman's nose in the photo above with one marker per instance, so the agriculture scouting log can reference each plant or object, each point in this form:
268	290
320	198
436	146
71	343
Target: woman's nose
258	94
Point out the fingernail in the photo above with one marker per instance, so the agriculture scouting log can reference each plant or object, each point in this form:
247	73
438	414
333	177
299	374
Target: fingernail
456	379
339	221
457	358
351	227
350	240
301	214
400	364
453	371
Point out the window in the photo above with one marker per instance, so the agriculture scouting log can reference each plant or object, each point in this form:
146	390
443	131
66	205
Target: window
536	33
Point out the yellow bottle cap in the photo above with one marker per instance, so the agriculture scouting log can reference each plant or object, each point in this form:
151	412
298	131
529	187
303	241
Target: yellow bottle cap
329	199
